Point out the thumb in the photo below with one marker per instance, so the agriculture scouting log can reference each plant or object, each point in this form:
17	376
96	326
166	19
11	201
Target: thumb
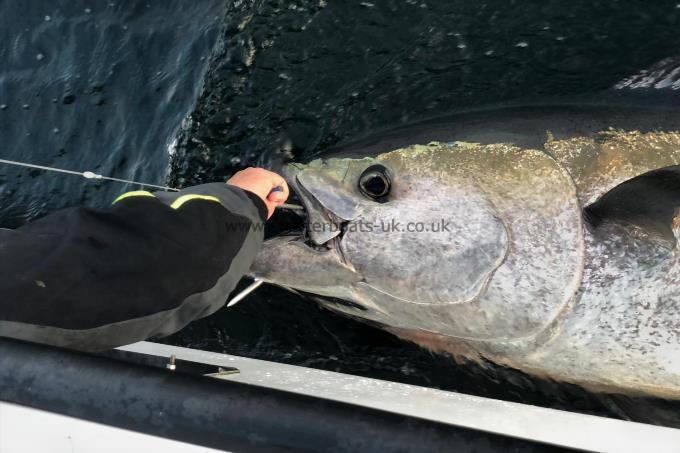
271	207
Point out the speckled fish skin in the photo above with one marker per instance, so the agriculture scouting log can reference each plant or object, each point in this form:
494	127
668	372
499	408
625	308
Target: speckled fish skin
522	279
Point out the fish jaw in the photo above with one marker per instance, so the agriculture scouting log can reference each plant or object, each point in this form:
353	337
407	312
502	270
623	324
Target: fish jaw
312	260
290	262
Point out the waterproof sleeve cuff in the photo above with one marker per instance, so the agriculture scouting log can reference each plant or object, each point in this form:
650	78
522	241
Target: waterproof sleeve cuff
234	199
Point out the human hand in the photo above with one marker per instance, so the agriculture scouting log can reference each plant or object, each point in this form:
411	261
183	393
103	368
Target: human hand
262	183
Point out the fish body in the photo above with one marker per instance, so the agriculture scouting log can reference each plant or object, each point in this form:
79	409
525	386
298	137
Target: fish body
543	238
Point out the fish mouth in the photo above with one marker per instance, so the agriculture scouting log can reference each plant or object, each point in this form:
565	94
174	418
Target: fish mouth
296	235
314	226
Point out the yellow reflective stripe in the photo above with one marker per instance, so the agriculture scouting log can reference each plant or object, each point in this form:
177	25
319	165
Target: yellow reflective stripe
184	198
134	193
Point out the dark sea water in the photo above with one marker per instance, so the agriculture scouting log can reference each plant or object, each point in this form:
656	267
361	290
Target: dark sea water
186	92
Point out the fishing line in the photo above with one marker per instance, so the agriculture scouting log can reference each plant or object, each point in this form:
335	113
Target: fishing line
84	174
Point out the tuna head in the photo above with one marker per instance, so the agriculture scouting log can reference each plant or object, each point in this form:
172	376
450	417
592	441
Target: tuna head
469	241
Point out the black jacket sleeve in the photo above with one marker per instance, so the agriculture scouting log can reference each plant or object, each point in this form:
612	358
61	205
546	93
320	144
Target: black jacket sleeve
147	266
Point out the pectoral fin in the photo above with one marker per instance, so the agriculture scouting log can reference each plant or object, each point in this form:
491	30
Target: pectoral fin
649	201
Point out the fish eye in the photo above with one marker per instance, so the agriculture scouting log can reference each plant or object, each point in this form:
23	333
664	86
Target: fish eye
375	182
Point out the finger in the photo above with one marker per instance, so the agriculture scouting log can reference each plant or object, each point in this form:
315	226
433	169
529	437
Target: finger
277	197
280	182
280	191
271	207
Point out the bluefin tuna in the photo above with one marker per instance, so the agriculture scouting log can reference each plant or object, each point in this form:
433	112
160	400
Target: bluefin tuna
542	238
